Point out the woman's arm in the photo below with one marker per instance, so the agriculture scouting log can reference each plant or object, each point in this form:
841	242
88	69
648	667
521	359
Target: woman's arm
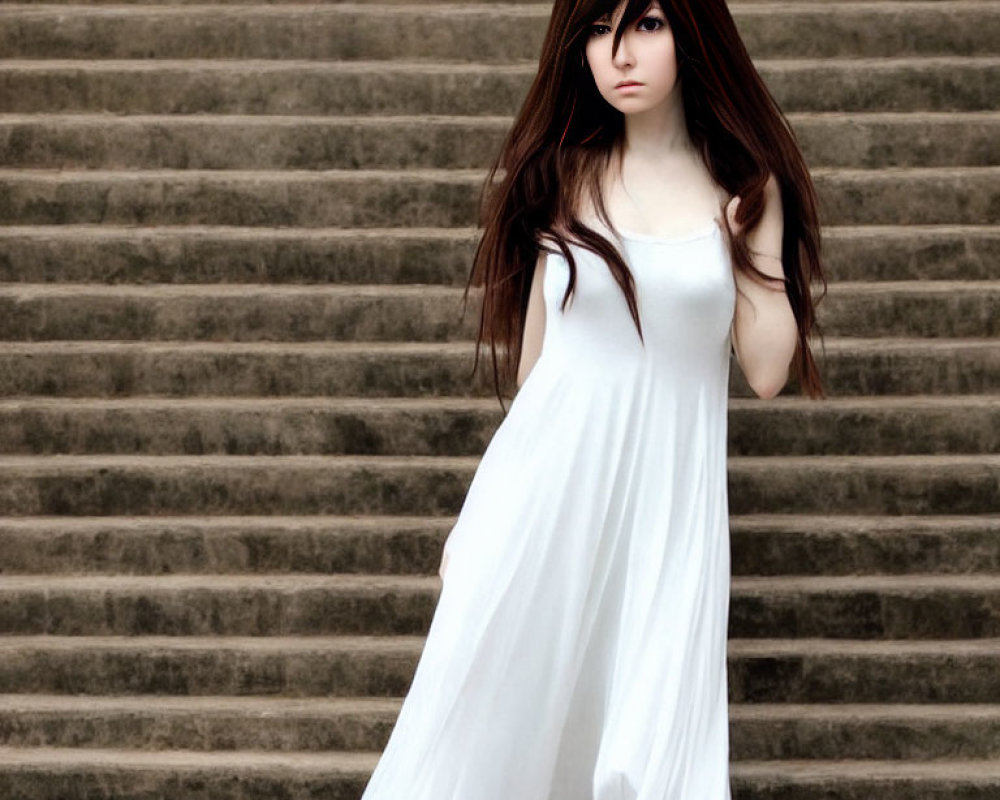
534	323
764	331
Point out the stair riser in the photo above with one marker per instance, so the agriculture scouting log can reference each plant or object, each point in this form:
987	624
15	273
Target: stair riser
859	431
189	430
903	738
379	3
251	143
875	548
210	671
332	89
436	200
432	315
749	739
968	486
183	372
479	35
196	547
859	486
930	614
828	679
227	783
216	730
773	678
190	547
954	313
204	783
164	256
375	144
764	786
257	612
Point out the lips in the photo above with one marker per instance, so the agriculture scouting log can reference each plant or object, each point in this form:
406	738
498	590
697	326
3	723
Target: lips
623	84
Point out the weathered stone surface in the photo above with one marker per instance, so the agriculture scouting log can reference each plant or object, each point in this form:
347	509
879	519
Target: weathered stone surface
844	607
429	198
420	313
435	369
250	775
945	83
208	254
464	426
762	544
246	481
482	33
434	485
103	141
757	730
835	671
760	670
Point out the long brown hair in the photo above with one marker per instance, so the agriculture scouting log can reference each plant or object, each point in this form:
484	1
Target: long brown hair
565	134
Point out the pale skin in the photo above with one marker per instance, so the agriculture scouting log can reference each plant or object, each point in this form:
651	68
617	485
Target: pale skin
664	189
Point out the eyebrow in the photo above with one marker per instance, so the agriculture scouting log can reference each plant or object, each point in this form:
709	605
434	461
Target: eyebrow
654	6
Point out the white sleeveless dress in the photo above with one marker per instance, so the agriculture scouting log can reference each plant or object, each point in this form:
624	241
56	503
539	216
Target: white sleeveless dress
578	646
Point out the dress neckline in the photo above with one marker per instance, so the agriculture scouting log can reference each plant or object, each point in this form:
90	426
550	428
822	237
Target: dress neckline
698	233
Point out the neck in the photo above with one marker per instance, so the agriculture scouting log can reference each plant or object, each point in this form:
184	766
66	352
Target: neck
658	132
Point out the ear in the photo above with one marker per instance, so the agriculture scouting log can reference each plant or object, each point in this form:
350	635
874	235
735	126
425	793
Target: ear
731	207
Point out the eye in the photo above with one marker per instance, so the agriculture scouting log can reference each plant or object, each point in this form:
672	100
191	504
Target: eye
650	24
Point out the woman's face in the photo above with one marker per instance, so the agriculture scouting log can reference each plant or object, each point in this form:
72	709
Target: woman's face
643	73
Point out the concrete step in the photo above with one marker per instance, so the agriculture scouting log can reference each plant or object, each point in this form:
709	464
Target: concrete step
417	312
830	670
103	141
486	32
196	312
837	545
51	773
98	141
190	141
38	773
429	198
220	723
912	309
437	485
395	545
202	254
782	544
865	426
918	606
464	426
375	3
189	86
867	607
405	369
864	730
277	724
759	670
858	779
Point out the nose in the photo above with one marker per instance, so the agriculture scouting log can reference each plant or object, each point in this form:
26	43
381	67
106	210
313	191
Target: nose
623	58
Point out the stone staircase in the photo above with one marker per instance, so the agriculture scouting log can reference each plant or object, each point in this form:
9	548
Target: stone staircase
237	416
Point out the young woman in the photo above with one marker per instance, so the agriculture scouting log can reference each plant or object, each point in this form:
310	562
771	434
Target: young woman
654	216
